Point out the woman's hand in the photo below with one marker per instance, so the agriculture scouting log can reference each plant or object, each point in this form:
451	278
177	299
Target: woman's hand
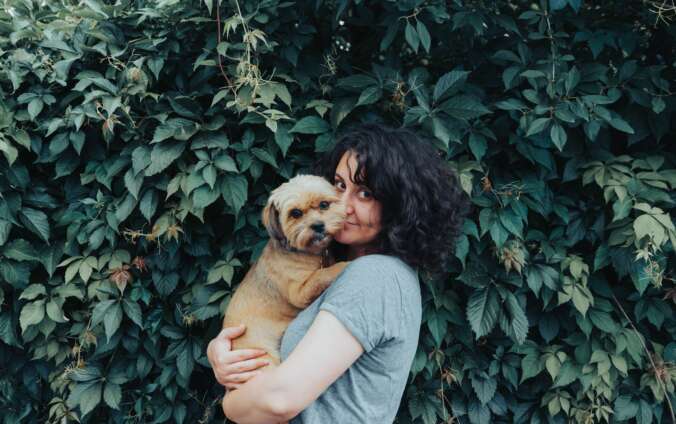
233	368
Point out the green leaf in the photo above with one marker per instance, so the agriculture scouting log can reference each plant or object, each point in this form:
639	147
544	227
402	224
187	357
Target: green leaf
125	207
620	124
91	397
72	271
22	137
178	128
34	108
133	311
133	183
5	227
310	125
482	310
411	37
265	156
149	203
225	163
140	159
424	35
603	321
658	104
19	250
437	325
580	301
283	138
620	363
89	374
647	225
7	332
464	107
369	96
553	366
484	387
112	395
625	408
558	135
204	196
478	145
478	413
55	311
184	362
112	319
163	155
538	125
517	318
234	190
101	310
209	174
449	83
35	221
33	291
32	313
568	373
531	365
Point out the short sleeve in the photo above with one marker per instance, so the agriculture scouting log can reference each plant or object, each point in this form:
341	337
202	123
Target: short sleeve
367	298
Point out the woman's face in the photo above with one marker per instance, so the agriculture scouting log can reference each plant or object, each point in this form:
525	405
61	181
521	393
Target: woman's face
363	222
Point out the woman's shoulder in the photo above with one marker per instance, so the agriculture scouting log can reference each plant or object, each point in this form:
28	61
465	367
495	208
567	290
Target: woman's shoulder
385	267
380	272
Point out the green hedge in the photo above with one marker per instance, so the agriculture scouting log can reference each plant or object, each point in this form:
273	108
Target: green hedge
134	167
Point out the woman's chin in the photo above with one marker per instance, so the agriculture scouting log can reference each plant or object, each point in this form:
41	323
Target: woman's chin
342	238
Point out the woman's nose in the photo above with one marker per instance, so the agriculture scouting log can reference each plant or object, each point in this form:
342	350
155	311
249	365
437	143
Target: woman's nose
349	209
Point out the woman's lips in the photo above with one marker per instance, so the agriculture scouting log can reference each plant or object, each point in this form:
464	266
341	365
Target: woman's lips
351	223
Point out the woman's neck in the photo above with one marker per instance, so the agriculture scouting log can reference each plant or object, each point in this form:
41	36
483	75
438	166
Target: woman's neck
353	252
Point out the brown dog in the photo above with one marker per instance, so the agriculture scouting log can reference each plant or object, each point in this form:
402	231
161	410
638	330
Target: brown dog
301	216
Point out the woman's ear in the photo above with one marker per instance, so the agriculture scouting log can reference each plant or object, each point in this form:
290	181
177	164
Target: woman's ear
271	222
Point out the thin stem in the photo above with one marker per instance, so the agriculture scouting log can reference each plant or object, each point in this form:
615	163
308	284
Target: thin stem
650	358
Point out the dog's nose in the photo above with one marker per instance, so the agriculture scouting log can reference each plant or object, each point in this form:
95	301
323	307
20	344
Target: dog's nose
318	227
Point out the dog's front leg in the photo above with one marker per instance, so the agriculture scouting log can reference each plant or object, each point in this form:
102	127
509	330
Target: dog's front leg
302	293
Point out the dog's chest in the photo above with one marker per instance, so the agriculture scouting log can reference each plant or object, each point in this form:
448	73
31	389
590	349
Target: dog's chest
299	326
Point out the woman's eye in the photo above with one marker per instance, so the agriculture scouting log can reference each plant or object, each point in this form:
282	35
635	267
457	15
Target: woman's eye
296	213
340	185
366	194
323	205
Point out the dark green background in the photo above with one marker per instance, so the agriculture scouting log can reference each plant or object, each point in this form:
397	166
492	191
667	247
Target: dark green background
134	169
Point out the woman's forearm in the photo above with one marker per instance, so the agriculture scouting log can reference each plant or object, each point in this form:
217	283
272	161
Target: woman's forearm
255	403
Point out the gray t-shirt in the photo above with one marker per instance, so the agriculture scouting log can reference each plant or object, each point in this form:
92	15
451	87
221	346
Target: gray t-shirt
377	298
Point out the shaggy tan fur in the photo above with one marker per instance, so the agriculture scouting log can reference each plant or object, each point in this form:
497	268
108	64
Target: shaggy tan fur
292	271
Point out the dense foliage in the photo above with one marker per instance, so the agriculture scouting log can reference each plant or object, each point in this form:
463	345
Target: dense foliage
139	145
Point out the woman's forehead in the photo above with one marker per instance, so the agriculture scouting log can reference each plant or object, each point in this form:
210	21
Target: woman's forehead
348	165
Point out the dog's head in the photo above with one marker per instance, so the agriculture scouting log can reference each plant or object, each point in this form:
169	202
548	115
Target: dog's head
304	213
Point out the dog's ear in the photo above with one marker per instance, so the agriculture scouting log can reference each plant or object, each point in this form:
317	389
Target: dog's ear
271	222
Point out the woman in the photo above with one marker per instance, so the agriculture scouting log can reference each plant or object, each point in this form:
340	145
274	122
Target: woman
346	357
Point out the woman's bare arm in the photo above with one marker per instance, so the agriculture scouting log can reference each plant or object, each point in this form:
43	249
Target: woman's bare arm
323	355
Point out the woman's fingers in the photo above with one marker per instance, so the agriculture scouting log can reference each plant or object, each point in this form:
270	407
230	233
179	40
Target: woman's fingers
244	354
243	366
233	367
231	332
232	386
241	378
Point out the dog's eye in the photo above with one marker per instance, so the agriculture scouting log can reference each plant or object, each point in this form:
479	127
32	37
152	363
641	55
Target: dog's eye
324	205
296	213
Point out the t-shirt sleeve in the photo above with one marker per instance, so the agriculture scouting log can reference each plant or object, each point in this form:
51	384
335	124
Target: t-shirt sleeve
367	299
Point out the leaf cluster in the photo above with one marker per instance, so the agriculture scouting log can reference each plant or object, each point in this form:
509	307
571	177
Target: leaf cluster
138	146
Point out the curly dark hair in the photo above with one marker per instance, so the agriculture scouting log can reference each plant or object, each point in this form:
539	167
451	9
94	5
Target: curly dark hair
423	205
